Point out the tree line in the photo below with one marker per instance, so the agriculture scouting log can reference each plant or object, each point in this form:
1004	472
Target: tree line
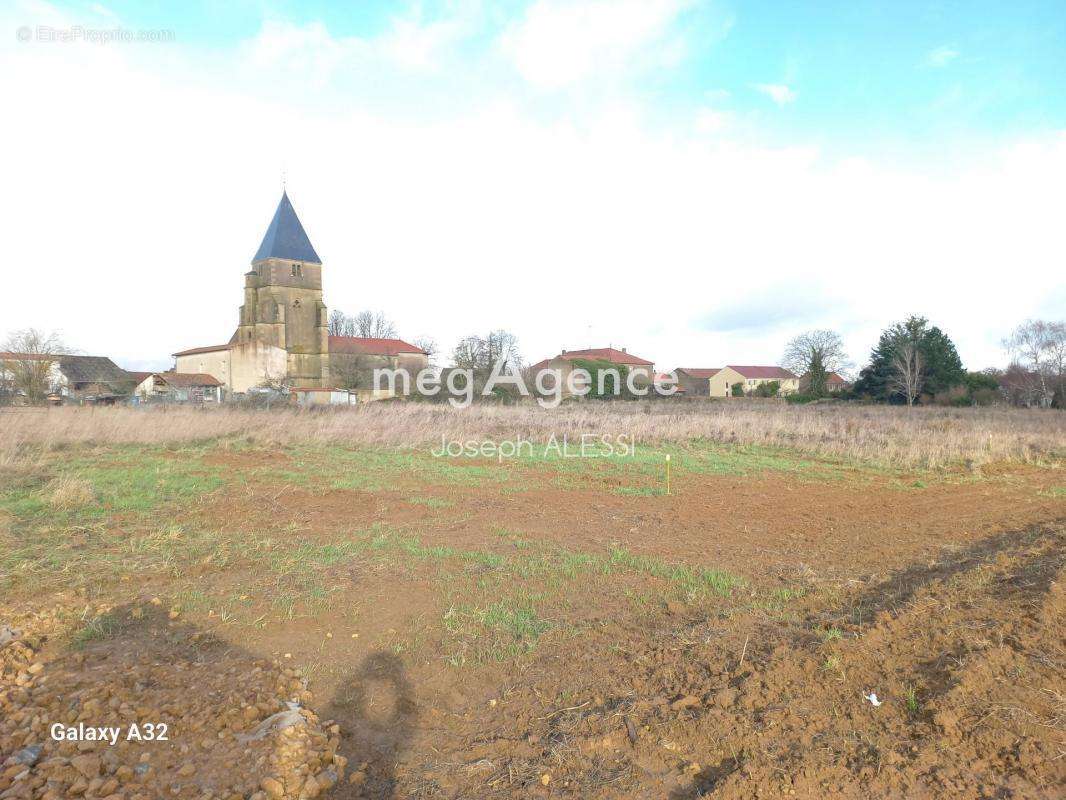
913	362
916	362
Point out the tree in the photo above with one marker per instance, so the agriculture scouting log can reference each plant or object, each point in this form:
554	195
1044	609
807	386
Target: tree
911	353
353	371
815	354
427	344
1039	348
737	389
364	325
908	371
1020	386
29	359
373	325
467	353
982	388
479	353
340	324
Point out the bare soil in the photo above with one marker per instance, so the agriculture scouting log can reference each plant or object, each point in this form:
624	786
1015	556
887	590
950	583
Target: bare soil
946	600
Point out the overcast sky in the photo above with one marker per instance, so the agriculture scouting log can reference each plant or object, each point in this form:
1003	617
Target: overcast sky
696	181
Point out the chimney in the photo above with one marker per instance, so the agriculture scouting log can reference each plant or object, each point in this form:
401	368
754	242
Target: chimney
564	351
623	350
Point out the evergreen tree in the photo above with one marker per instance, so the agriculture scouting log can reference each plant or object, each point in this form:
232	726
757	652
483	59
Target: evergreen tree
940	363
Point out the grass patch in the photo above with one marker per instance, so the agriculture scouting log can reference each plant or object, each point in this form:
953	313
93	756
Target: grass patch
94	629
498	631
431	502
692	581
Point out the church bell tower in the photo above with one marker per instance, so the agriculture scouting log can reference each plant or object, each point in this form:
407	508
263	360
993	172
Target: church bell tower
283	304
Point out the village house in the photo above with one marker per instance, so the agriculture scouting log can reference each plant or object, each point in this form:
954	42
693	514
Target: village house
70	378
353	360
750	378
641	370
177	387
238	367
695	381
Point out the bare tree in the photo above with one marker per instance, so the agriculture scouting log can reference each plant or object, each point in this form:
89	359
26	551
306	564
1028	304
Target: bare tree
428	345
501	344
364	325
373	325
908	366
482	353
340	324
815	354
1039	347
468	353
29	359
353	371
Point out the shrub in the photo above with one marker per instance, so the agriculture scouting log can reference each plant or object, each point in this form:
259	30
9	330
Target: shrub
737	389
768	389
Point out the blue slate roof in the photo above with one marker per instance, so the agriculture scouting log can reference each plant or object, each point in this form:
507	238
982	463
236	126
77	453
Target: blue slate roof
285	238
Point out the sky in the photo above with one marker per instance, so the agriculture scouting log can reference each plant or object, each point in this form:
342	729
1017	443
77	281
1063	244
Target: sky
695	181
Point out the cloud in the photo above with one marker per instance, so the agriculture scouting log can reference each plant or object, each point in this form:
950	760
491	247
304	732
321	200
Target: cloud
557	44
713	121
786	304
778	92
311	51
941	56
484	216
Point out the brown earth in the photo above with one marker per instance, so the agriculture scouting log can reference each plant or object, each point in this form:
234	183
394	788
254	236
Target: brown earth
946	600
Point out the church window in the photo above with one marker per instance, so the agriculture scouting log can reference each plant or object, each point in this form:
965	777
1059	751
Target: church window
296	270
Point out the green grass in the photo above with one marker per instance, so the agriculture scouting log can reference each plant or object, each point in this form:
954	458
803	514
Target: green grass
498	631
431	502
832	635
134	521
641	491
911	701
375	469
94	629
121	482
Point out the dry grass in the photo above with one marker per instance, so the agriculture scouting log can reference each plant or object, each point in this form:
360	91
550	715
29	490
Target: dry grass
67	493
891	436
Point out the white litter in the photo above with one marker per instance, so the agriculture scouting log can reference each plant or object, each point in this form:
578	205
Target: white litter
275	722
872	697
8	635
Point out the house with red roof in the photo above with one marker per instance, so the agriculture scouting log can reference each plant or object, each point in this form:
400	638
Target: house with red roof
750	378
353	359
641	370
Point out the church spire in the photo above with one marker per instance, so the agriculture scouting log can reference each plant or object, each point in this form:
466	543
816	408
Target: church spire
286	238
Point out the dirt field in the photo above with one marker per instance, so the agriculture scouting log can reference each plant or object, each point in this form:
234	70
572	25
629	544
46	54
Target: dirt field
537	626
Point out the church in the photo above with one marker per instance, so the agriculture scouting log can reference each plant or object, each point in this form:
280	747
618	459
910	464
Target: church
282	335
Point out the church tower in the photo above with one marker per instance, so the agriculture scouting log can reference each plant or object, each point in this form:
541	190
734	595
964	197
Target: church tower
283	304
